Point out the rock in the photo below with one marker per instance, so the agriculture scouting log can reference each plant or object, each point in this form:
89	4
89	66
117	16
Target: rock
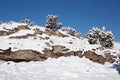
58	49
59	34
109	58
101	59
47	44
71	53
3	33
22	55
22	27
47	53
94	57
38	31
50	32
78	53
23	36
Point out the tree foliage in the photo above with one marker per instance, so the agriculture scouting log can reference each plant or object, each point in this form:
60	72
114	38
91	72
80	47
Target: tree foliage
72	32
51	22
28	22
102	37
69	30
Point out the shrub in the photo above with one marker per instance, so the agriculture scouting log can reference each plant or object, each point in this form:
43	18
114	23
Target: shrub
69	30
28	22
51	22
102	37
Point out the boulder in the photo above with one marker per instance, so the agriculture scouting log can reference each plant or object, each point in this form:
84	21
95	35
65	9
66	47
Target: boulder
58	49
110	58
78	53
50	32
94	57
47	53
3	33
21	55
38	31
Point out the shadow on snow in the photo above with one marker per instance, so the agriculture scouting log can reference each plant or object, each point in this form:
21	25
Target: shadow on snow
117	67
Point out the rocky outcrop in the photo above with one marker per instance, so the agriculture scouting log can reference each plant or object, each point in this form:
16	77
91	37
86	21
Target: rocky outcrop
55	52
110	58
47	53
9	31
5	33
59	34
58	49
52	33
94	57
38	31
23	36
21	55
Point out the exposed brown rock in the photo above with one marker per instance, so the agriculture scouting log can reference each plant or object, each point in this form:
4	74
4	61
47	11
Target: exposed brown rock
22	27
109	58
71	53
50	32
23	36
3	33
47	44
26	55
78	53
38	31
47	53
101	59
59	34
21	55
9	31
55	52
41	38
94	57
58	49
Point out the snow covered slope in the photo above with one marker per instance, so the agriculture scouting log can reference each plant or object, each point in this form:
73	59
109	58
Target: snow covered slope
27	38
63	68
34	42
19	36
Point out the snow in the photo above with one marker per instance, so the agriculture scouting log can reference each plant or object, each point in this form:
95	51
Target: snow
64	33
23	44
10	25
22	32
71	42
77	44
63	68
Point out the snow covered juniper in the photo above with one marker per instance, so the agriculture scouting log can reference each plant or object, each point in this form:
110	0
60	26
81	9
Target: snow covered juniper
51	22
102	37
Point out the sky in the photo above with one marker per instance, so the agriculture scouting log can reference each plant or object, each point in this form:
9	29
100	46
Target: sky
79	14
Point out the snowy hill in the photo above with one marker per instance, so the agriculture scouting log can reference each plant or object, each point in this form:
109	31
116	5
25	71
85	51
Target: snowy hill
20	41
63	68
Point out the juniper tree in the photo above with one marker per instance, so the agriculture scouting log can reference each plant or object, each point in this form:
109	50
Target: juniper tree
28	22
51	23
102	37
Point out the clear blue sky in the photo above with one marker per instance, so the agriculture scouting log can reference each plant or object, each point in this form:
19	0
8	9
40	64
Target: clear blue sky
79	14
